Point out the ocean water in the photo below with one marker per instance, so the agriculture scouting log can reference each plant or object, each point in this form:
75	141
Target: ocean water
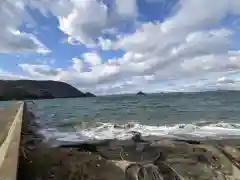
4	104
211	115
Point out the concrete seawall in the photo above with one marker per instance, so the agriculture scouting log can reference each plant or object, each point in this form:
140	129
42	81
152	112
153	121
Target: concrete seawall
10	136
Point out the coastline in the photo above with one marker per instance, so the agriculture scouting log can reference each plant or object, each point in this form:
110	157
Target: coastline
126	159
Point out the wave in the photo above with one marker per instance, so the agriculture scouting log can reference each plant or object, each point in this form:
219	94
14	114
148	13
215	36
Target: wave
101	131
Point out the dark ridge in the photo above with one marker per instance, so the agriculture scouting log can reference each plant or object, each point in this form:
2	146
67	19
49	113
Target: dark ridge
31	89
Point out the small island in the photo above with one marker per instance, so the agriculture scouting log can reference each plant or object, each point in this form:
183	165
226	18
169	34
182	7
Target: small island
141	93
31	90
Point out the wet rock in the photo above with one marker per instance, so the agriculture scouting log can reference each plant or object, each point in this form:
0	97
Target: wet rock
137	137
123	126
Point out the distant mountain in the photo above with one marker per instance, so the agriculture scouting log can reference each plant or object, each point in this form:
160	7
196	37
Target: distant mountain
141	93
30	89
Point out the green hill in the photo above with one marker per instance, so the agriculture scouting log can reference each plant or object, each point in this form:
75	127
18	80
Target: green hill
30	89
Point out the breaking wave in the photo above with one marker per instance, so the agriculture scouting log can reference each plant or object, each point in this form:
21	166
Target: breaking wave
101	131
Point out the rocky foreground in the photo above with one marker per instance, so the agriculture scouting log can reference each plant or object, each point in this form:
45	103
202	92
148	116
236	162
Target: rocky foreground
136	159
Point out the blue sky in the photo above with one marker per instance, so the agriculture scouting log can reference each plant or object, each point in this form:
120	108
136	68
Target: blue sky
122	46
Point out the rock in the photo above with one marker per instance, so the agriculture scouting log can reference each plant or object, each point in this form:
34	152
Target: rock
141	93
137	137
123	126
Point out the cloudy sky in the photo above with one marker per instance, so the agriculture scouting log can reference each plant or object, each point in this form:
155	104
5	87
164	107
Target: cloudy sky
123	46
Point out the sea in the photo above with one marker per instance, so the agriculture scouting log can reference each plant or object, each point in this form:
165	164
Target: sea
201	115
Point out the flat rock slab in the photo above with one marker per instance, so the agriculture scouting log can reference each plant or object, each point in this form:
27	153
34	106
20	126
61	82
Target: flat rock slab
164	159
66	164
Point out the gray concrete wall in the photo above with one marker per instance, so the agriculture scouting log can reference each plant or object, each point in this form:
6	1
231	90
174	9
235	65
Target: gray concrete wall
11	125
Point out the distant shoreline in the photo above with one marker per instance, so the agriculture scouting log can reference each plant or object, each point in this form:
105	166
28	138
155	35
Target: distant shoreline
170	92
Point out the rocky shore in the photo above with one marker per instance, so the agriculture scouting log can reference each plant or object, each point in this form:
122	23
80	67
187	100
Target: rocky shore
135	159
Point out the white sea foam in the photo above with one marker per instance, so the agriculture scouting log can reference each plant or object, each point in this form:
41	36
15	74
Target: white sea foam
219	130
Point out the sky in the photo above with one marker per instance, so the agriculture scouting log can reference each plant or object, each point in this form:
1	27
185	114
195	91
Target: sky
123	46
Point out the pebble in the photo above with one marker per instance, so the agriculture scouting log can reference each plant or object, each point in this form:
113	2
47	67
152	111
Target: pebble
99	158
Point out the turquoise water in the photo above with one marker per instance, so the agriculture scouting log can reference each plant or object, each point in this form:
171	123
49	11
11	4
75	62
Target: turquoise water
212	114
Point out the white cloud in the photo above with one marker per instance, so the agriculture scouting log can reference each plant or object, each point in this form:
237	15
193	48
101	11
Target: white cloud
12	14
183	46
111	77
226	80
87	20
56	7
235	6
111	31
126	9
105	44
40	71
11	76
92	59
204	43
197	14
188	51
46	61
77	65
